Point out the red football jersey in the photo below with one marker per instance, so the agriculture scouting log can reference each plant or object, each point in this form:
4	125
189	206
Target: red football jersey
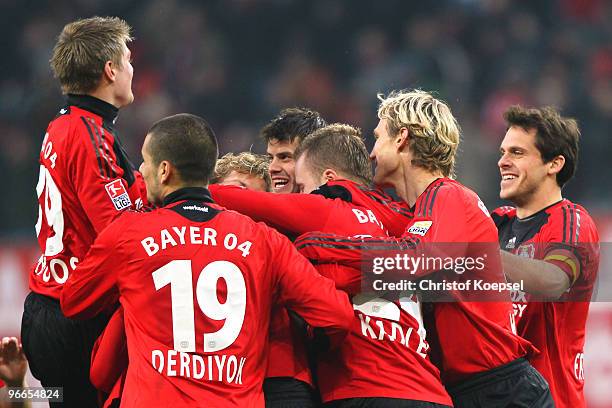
85	180
109	354
385	352
557	329
470	337
191	268
294	215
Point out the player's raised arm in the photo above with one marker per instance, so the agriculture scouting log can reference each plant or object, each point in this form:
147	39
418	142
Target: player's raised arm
288	213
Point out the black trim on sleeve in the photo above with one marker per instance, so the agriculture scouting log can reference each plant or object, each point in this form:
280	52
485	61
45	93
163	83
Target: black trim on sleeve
105	156
433	199
95	147
577	223
388	202
571	230
423	204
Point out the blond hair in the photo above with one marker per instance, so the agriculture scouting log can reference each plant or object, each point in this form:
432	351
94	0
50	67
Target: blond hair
433	130
339	147
246	163
83	48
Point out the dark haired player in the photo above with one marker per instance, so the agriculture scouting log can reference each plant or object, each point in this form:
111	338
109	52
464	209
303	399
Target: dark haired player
283	135
196	282
289	380
552	245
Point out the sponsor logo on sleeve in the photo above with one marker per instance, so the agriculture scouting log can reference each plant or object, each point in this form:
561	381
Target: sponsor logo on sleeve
118	194
420	228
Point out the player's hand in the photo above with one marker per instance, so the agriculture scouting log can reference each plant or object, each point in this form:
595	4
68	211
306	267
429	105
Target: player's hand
13	363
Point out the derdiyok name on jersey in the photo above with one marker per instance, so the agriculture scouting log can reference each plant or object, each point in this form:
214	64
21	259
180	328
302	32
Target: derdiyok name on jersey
193	235
221	368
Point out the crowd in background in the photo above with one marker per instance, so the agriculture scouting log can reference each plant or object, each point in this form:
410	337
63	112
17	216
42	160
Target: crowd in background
238	62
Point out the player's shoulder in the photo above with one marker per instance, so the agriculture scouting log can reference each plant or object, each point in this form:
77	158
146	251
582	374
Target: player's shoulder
504	211
119	230
446	188
63	122
337	189
442	194
571	222
76	126
503	214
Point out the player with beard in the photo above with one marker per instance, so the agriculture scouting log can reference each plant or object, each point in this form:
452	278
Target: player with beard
550	243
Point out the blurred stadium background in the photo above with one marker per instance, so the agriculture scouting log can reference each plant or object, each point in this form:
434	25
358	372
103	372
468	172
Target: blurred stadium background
237	62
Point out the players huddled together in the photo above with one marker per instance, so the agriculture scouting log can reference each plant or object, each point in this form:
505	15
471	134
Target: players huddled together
198	281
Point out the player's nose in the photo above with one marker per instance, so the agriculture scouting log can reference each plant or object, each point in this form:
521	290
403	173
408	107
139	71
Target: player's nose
275	166
504	162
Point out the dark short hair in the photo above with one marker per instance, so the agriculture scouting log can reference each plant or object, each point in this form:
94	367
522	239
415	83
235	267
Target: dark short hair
292	123
339	147
189	143
555	135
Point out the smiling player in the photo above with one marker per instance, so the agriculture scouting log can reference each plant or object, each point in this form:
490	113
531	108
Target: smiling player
556	242
283	135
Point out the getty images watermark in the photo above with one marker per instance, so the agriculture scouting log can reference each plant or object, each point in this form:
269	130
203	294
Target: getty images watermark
440	272
423	265
472	271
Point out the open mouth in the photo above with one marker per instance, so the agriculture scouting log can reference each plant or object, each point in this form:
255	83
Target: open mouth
507	180
279	183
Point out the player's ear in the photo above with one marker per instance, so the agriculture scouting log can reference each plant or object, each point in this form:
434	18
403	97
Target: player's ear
401	140
556	164
110	71
330	174
164	172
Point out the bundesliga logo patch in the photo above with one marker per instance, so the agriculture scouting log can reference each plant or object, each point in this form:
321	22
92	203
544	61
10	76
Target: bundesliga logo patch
420	228
118	194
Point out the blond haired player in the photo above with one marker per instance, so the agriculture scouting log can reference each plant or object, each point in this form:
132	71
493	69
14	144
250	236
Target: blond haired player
244	169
